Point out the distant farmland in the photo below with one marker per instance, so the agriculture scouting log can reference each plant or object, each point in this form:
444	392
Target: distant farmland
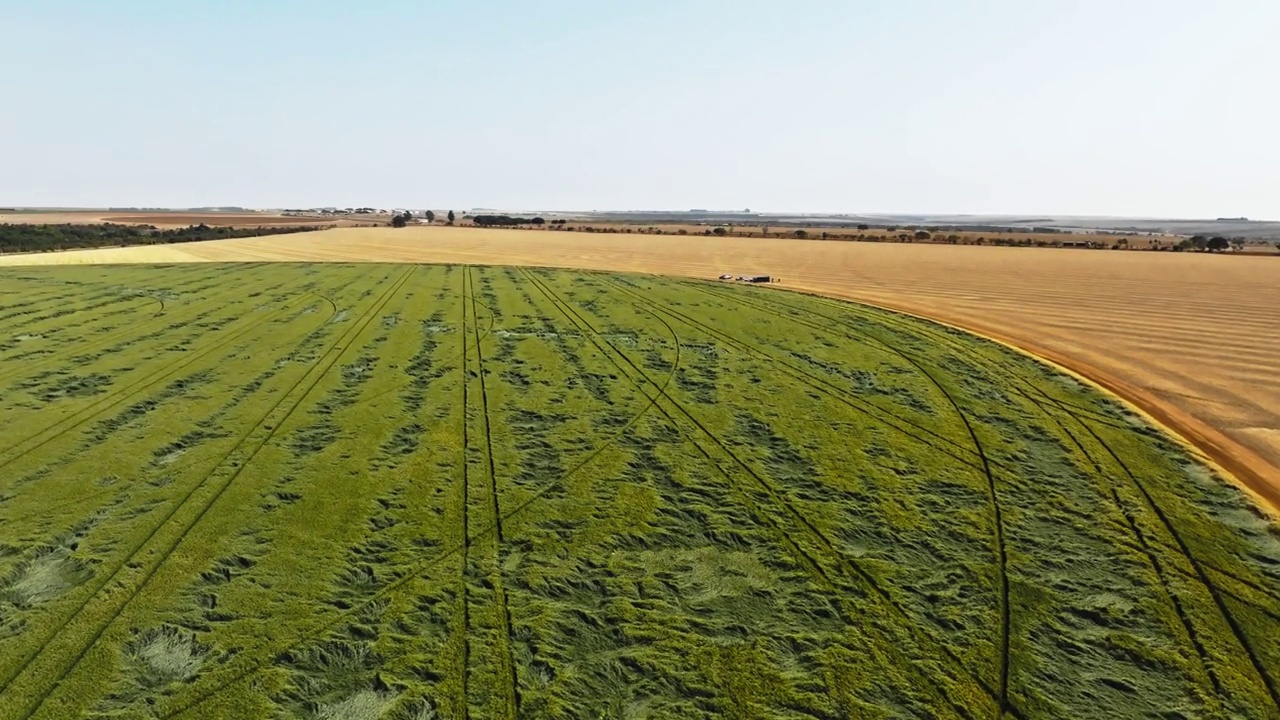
1187	337
409	491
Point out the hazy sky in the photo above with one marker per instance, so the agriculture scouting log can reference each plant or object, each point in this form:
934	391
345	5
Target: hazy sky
1116	107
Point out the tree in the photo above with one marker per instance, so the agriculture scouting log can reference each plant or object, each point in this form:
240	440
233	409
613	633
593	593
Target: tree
452	217
1217	242
863	226
431	216
488	220
1199	242
923	235
400	220
720	231
801	234
1237	244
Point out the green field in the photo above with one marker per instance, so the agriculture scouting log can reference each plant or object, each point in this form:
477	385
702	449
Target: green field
390	491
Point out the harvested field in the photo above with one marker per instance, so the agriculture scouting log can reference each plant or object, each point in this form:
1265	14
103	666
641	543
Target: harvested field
161	220
1189	338
219	219
402	491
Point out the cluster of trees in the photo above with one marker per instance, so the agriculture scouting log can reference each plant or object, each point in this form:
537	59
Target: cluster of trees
43	238
402	219
1217	243
498	220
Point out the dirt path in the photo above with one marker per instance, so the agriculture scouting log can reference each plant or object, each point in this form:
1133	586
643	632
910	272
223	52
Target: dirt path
1191	339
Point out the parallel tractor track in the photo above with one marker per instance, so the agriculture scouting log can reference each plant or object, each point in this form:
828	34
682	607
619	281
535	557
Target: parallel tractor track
402	385
1198	567
52	510
428	564
113	291
511	688
178	469
464	669
993	494
113	399
1200	576
850	569
166	371
335	352
1003	664
134	332
95	303
954	449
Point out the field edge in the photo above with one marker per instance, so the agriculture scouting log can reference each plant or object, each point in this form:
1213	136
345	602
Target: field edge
1200	440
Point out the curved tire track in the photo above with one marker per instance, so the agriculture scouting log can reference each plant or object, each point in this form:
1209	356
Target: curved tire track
1202	578
849	568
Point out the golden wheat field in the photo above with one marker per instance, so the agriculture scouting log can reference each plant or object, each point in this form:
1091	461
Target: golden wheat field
1189	338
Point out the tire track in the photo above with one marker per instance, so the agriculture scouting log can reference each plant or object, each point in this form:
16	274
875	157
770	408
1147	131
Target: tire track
1192	636
993	494
350	336
56	509
112	343
958	451
1199	574
850	569
397	388
113	291
1274	614
137	548
511	688
240	467
1162	573
465	668
115	398
182	362
178	469
136	332
429	564
1240	636
35	323
889	313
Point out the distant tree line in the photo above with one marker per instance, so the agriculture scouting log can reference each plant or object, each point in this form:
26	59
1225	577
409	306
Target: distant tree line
44	238
935	235
500	220
1216	243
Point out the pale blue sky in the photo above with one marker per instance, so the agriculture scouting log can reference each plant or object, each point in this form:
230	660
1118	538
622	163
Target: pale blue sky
1116	107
